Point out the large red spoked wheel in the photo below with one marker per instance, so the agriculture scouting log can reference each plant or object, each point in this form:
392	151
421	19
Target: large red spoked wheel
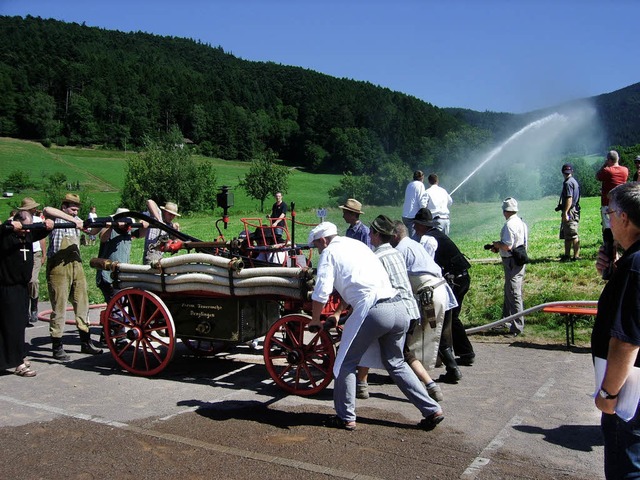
139	331
300	362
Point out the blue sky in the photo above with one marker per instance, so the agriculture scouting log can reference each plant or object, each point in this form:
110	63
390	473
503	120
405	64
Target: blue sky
499	55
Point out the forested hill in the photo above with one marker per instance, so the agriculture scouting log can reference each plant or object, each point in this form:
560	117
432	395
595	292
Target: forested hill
71	84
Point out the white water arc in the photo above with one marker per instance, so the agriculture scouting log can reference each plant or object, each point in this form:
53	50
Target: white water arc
499	148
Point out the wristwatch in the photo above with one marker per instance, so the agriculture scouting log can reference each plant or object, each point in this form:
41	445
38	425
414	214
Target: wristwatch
606	395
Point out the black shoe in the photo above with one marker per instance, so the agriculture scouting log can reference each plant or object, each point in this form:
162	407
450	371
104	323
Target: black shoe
90	348
452	376
431	422
466	360
60	354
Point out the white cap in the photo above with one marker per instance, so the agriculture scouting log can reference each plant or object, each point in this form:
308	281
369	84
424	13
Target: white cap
121	210
509	205
325	229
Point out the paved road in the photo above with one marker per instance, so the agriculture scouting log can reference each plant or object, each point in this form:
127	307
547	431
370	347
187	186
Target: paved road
522	411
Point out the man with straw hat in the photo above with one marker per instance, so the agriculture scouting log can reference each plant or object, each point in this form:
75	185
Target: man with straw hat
65	277
351	211
165	215
30	205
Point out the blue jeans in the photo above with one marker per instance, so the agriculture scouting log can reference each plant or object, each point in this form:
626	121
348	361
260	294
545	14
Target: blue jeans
621	446
387	324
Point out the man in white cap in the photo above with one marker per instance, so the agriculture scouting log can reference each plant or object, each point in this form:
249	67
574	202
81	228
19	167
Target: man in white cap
379	315
165	215
30	205
514	234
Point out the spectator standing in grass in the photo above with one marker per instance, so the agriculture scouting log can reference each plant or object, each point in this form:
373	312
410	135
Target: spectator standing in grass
92	218
438	203
414	200
570	218
611	174
514	234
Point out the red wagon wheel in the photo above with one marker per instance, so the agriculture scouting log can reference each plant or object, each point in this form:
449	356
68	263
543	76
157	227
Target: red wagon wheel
139	331
300	362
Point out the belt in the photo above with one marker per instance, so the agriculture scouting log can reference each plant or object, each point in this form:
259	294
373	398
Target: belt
389	300
443	217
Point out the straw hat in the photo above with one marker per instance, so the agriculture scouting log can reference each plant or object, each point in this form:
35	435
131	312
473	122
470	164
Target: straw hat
71	198
171	208
28	203
352	205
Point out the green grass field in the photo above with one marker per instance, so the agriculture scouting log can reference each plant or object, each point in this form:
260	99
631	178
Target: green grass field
101	174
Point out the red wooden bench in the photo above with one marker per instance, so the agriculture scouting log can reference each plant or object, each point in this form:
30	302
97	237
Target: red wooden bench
570	315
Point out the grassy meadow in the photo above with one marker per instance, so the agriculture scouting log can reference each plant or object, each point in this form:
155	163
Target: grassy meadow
101	176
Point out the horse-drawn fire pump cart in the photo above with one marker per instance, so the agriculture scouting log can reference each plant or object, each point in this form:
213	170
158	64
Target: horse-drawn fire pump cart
218	295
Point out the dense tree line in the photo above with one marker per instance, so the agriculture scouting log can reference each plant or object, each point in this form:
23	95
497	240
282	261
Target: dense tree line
72	84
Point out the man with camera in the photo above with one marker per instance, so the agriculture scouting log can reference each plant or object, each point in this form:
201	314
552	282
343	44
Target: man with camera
513	236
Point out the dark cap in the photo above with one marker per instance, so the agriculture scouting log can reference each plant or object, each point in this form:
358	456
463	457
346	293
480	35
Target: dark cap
424	217
567	168
383	224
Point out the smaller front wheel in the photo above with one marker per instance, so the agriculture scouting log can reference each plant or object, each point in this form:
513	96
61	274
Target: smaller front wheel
139	331
300	362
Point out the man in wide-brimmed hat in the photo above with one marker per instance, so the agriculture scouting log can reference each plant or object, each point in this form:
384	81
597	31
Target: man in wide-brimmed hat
455	269
65	277
351	211
166	215
30	205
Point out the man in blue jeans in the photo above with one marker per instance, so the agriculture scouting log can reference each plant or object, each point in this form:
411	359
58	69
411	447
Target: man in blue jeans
378	316
616	337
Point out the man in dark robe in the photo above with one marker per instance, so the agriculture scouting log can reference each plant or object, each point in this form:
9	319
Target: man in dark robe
16	263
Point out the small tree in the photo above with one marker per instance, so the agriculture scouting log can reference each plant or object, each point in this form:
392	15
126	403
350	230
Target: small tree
17	181
167	172
265	178
55	189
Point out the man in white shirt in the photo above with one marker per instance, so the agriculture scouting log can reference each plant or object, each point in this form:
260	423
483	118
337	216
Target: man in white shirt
379	316
414	200
438	203
514	233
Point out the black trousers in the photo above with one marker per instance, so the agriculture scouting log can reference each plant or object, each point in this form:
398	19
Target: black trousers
461	344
